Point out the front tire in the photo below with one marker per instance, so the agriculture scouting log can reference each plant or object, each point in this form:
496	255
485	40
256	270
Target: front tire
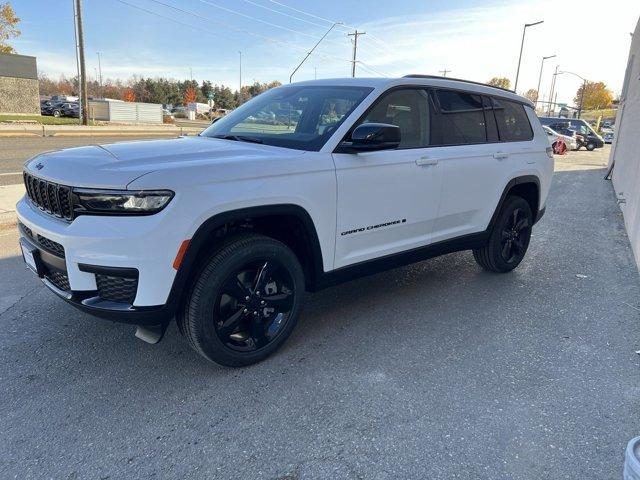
591	147
509	238
245	302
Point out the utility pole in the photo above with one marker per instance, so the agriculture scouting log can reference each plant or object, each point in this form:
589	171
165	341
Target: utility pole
100	75
355	48
444	72
240	82
524	31
75	33
584	87
83	71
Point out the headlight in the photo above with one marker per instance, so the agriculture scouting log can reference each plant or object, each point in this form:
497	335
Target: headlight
120	202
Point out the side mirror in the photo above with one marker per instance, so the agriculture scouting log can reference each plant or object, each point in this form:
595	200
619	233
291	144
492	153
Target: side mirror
370	137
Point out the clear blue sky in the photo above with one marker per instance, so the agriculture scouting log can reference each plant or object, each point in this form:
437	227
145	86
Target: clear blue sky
474	39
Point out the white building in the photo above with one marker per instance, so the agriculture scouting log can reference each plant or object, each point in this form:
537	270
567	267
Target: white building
625	158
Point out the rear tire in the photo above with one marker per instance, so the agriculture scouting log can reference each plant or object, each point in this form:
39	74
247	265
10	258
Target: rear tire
509	237
591	147
245	301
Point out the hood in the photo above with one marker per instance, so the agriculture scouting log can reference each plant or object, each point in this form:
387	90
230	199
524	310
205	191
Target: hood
117	165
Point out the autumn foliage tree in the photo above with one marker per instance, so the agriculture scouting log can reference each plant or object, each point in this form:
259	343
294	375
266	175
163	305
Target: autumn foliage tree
129	95
190	95
531	94
8	27
596	96
502	82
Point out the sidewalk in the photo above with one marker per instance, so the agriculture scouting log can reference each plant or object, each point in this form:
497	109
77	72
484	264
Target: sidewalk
9	196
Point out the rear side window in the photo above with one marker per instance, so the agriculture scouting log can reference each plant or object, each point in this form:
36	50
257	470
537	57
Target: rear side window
460	121
513	124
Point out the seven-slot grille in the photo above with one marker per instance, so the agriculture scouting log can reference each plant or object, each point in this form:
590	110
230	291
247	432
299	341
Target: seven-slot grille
50	197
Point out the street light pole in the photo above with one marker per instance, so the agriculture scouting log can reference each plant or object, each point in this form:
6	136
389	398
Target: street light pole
553	87
524	31
540	78
584	87
311	51
100	75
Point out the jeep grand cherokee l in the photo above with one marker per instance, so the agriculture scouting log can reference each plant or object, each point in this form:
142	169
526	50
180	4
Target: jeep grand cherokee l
305	186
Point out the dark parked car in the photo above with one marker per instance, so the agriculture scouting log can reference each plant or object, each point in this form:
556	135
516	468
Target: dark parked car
52	108
71	109
590	139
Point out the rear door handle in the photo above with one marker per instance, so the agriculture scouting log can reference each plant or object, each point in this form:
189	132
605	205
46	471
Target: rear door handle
426	161
500	155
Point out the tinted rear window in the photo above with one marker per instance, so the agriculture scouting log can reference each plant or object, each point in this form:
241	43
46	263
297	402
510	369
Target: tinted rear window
461	119
513	124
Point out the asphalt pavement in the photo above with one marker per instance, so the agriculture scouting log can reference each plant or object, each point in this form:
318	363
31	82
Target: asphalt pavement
433	371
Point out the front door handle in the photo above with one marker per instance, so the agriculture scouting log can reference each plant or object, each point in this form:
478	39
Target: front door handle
500	155
426	161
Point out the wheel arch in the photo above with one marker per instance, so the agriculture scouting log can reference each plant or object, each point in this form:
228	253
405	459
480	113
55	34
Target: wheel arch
525	186
213	231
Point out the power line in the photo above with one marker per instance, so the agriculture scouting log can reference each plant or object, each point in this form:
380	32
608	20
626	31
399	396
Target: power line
170	18
202	17
250	17
345	25
371	69
285	14
374	38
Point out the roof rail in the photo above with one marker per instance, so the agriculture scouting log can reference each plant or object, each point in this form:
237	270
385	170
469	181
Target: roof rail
438	77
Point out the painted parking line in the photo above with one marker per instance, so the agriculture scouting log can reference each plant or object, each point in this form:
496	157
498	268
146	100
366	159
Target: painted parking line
8	174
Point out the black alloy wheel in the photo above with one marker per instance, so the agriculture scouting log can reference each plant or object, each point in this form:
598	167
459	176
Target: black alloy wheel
515	236
245	300
509	238
254	305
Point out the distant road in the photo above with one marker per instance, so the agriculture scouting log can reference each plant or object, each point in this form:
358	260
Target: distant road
180	122
15	151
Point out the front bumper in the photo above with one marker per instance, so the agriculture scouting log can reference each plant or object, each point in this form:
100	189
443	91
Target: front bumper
83	256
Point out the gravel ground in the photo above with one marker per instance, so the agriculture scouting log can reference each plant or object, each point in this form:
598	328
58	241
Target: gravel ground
437	370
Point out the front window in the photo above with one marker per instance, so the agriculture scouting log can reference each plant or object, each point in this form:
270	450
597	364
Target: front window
298	117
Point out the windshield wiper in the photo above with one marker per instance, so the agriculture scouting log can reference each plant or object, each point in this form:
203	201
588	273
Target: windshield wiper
238	138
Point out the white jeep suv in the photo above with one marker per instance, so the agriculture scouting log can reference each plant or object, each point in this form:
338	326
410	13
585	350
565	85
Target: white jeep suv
304	186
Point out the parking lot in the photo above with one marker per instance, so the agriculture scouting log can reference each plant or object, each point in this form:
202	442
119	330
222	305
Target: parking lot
437	370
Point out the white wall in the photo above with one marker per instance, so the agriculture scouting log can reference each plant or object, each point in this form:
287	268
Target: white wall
625	152
125	112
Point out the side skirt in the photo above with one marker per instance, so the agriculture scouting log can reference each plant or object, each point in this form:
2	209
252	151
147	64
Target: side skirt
388	262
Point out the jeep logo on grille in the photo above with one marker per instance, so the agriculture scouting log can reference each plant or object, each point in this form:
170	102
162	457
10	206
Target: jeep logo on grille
39	166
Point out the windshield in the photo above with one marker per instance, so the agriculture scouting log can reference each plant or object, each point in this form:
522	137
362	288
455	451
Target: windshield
299	117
